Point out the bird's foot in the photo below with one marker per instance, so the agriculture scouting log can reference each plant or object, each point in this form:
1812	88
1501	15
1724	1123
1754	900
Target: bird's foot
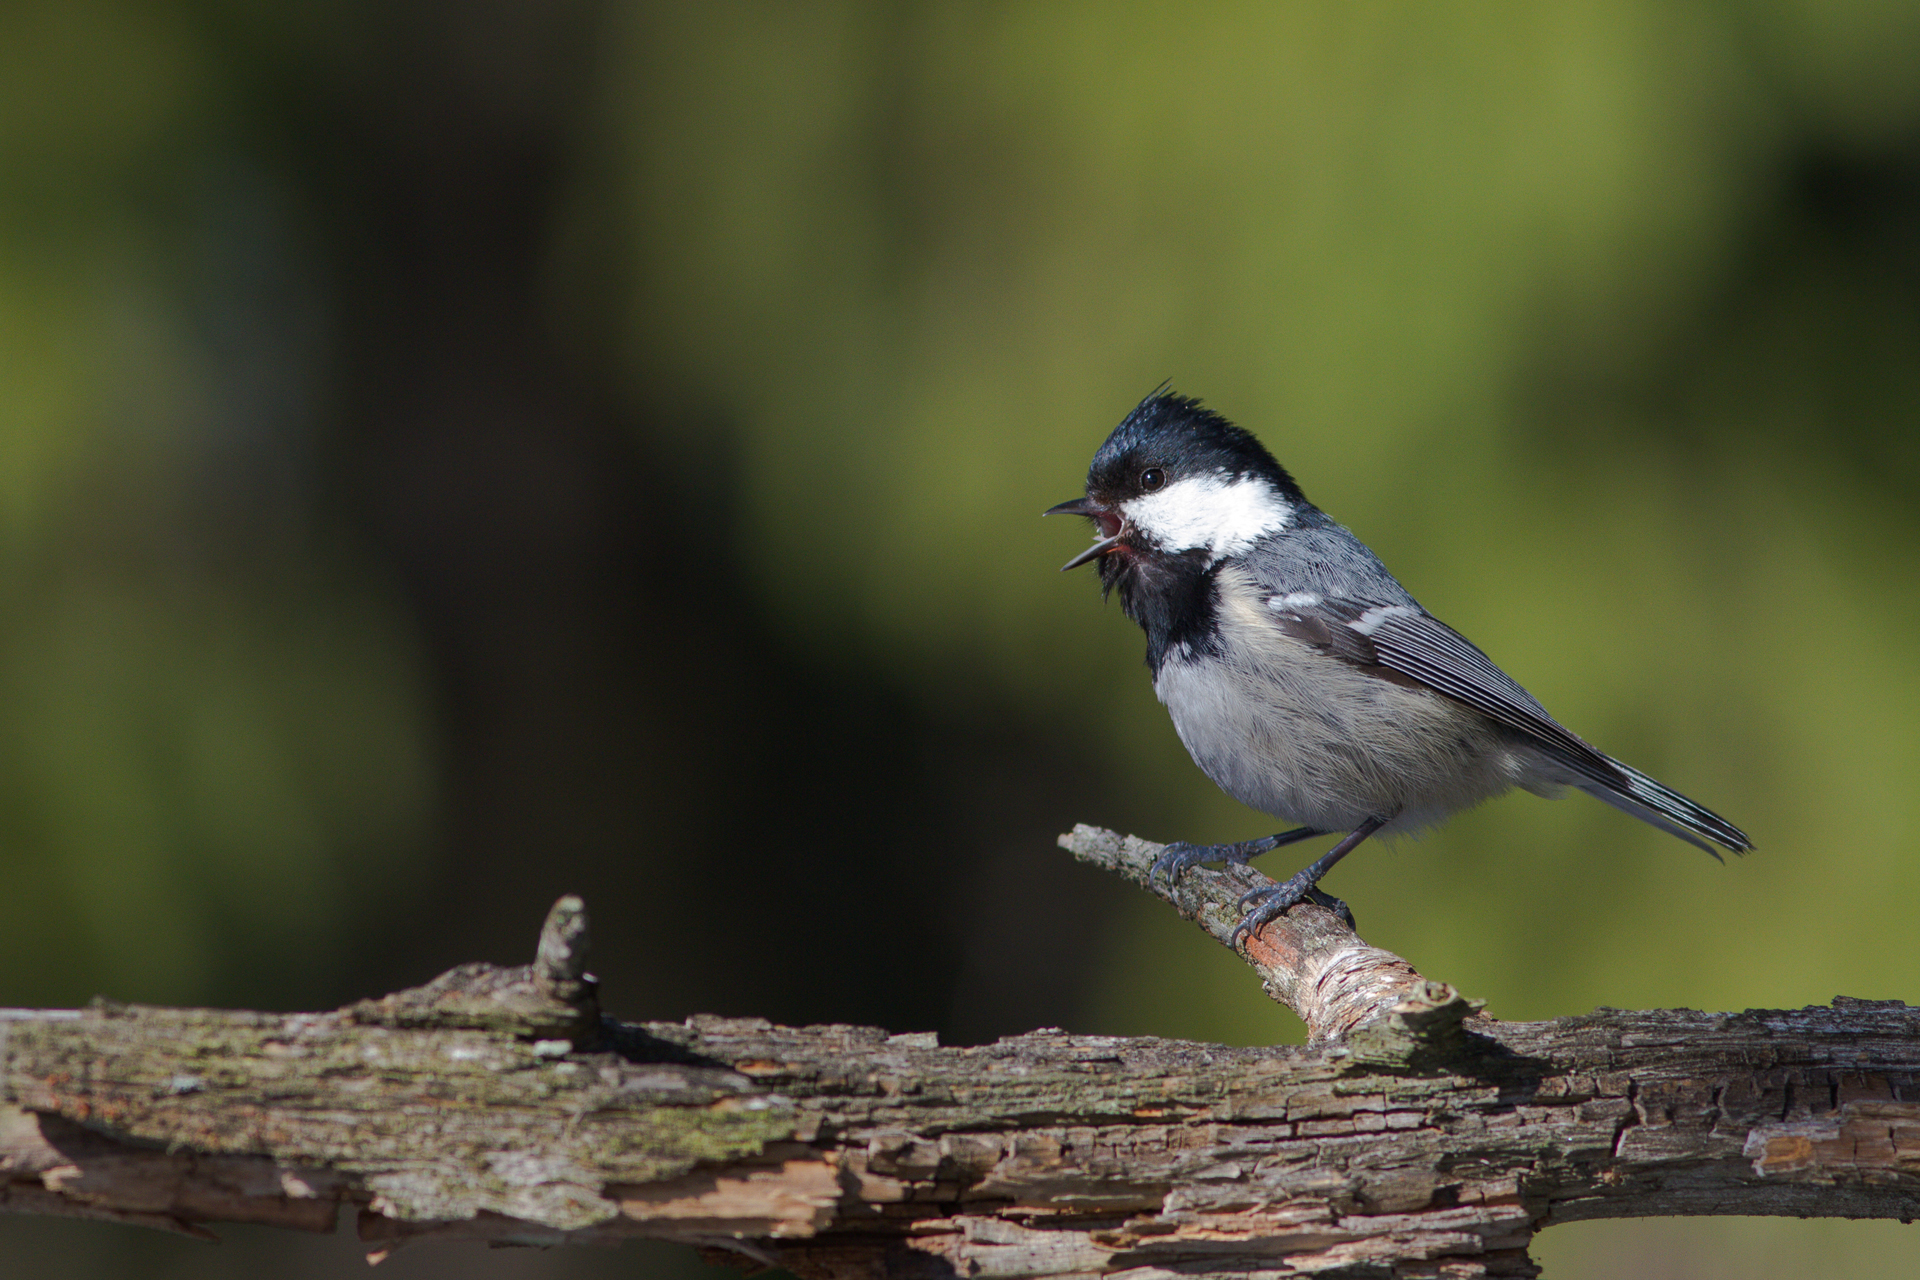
1321	898
1262	905
1180	855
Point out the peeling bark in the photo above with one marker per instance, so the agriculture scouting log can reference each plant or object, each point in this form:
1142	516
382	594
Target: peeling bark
1428	1141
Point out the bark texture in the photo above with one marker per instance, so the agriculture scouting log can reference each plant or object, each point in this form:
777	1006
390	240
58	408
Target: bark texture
1428	1142
1309	959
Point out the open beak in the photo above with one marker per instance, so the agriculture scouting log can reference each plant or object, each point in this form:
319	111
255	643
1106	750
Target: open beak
1093	552
1081	507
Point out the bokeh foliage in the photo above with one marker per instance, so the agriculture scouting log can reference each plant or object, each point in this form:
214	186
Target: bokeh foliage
1599	321
213	719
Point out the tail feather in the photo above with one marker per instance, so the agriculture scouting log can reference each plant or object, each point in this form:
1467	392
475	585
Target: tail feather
1661	806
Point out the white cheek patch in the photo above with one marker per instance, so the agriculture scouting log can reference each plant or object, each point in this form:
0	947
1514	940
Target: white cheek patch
1224	513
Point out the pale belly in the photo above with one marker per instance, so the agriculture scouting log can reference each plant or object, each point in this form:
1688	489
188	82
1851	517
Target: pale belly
1316	741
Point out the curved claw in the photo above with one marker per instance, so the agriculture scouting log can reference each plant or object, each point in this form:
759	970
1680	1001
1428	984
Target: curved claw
1262	905
1257	917
1321	898
1269	903
1178	856
1256	899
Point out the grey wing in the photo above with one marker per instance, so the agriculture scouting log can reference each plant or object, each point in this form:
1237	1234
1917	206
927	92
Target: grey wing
1405	641
1412	641
1329	589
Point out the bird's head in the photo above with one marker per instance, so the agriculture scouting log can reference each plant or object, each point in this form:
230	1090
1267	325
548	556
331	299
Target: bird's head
1178	482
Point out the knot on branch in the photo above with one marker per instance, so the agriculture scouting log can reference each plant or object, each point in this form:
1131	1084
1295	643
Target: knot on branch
1425	1030
554	998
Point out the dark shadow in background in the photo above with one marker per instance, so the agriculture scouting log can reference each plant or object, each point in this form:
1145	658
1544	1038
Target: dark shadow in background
754	831
1809	343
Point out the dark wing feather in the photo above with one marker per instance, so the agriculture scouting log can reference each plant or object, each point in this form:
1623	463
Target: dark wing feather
1402	640
1434	653
1407	640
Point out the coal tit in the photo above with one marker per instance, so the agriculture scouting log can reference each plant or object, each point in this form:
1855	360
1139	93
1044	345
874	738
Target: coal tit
1302	677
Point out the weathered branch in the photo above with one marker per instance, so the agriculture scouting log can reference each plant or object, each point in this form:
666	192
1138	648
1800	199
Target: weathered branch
494	1104
1308	959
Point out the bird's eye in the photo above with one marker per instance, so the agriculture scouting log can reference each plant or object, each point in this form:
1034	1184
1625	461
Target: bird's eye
1152	478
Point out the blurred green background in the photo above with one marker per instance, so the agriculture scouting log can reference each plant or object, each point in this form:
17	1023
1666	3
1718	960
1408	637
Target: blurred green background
455	454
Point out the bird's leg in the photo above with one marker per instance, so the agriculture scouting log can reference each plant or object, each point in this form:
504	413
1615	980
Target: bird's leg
1263	905
1180	855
